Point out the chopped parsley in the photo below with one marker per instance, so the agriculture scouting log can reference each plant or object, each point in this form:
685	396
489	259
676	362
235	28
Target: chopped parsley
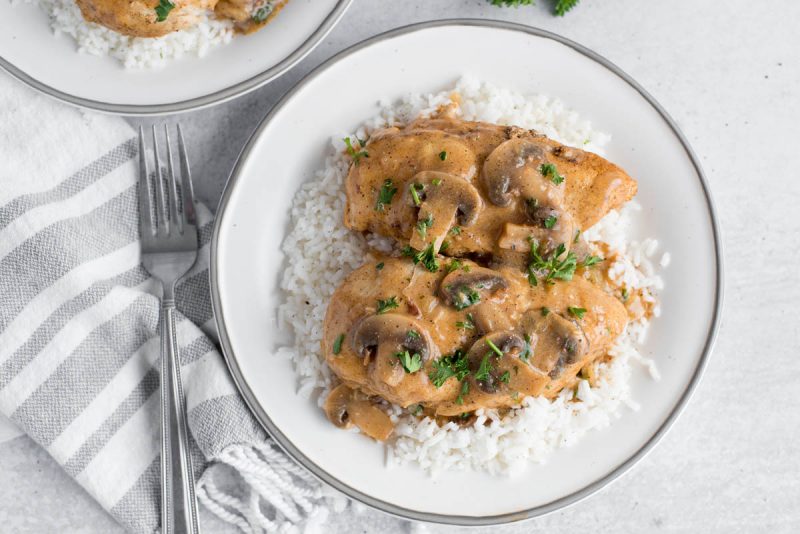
494	347
468	324
385	195
413	334
413	189
415	409
526	354
261	14
545	311
455	230
451	365
356	155
550	221
505	377
549	170
577	312
444	246
443	155
453	265
577	235
464	391
410	362
379	266
552	267
562	6
436	181
464	296
162	10
590	260
424	224
625	294
337	345
426	257
485	368
386	305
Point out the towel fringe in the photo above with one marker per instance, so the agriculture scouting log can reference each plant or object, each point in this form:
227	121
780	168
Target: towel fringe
280	495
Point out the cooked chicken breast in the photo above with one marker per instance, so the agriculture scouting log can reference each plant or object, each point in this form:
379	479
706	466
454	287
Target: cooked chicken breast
140	18
397	330
482	188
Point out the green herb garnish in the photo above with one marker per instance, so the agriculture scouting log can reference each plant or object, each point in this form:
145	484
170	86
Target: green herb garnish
455	230
452	365
379	266
468	324
505	377
385	194
337	345
485	368
551	267
162	10
526	354
443	155
436	181
550	221
625	294
577	312
426	257
545	311
386	305
413	188
590	260
411	362
424	224
494	347
562	6
356	155
550	170
413	334
453	265
577	235
261	14
464	391
468	296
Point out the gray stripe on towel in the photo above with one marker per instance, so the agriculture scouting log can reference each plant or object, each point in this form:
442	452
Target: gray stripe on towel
100	167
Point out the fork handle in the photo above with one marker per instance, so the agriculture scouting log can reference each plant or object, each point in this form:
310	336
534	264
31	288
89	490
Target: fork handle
178	501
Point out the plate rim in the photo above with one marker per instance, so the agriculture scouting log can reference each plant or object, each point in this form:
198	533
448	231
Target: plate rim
196	103
289	448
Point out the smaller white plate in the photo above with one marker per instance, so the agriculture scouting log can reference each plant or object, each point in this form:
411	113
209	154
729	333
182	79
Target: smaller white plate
290	145
52	64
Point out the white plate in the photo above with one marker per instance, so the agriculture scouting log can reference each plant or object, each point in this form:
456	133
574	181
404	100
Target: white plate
288	147
30	52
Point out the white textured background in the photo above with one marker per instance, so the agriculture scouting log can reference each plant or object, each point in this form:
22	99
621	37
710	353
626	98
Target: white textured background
728	71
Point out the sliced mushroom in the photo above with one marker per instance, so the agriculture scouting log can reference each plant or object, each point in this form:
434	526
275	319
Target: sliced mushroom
516	237
483	354
346	407
462	289
513	170
370	419
443	200
379	339
336	406
556	342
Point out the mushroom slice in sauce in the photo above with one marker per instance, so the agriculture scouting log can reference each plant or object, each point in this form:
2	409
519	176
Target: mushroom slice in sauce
513	170
463	289
346	407
443	200
484	359
556	342
381	338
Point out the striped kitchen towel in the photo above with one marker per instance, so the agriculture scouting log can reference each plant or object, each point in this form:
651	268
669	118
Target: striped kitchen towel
79	331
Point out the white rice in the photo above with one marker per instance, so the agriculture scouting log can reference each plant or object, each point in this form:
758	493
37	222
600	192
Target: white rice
135	52
321	252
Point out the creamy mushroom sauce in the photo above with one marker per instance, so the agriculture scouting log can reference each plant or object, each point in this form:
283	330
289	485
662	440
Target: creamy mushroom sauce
495	299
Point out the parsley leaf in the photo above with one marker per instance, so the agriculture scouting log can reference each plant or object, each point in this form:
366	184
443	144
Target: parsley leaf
451	365
550	221
485	368
550	267
550	170
424	224
337	345
386	305
411	362
427	257
413	189
385	194
562	6
494	347
261	14
356	155
505	377
467	296
455	230
443	155
453	265
545	311
379	266
162	10
588	261
468	324
577	312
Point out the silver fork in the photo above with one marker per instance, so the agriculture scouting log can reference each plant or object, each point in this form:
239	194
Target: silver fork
169	249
